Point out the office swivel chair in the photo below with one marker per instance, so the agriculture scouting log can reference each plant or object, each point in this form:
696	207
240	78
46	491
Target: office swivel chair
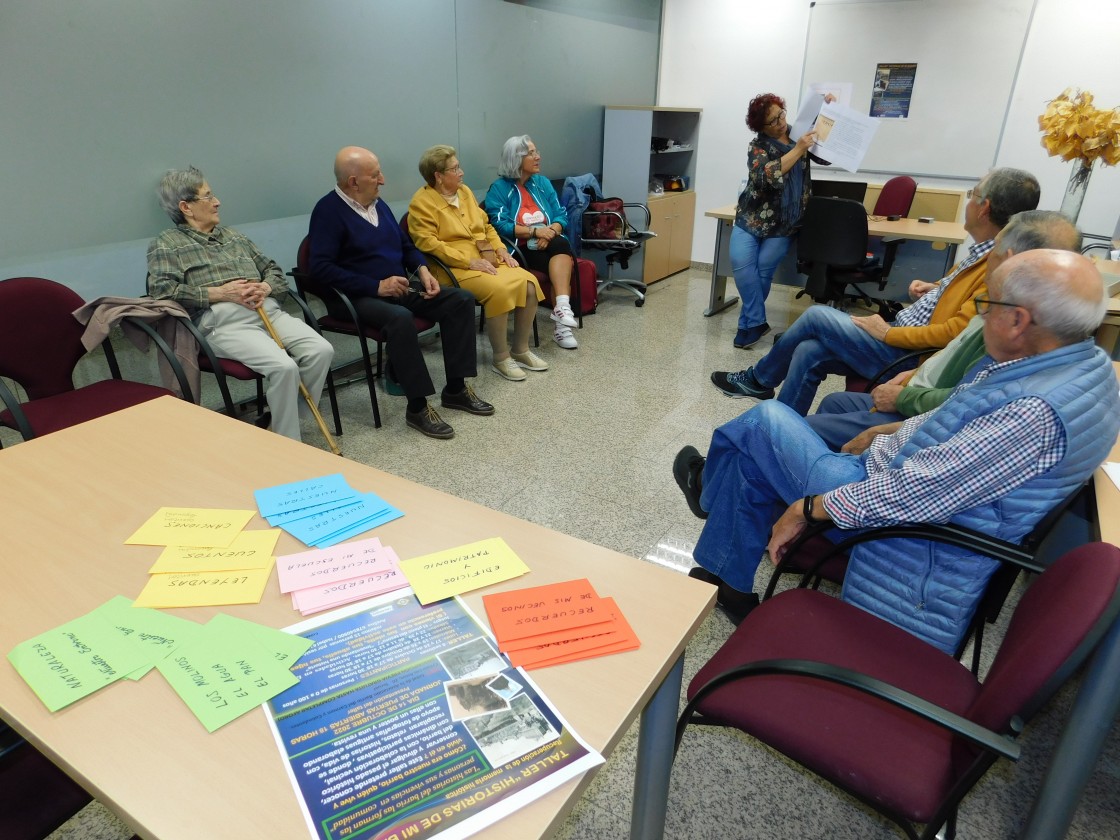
832	248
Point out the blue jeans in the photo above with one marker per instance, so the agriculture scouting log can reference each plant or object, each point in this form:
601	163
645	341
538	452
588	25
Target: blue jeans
754	261
758	464
844	415
822	341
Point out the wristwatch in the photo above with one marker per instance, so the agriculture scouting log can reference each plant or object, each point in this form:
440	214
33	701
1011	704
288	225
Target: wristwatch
807	511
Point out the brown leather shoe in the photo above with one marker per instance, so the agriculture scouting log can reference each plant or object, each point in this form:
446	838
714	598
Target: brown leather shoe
429	423
466	400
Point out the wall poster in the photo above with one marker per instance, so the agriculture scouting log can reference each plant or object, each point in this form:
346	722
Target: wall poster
892	89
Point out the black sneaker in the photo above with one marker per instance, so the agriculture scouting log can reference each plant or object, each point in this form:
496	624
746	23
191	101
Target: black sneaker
687	469
741	384
750	336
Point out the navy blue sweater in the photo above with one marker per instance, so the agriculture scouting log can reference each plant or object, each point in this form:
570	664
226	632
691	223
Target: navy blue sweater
349	253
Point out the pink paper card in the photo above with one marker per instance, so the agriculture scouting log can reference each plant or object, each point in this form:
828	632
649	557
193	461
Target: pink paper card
385	576
311	569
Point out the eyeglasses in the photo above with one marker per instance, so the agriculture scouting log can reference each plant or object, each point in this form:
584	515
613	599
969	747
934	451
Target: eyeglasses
456	168
213	199
984	304
536	153
975	193
771	123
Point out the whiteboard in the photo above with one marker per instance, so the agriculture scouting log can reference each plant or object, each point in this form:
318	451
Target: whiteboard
968	56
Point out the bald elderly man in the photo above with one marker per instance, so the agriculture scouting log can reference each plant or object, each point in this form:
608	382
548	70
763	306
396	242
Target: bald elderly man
358	248
1029	423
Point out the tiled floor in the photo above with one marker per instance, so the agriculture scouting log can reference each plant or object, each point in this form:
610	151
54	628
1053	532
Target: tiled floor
586	448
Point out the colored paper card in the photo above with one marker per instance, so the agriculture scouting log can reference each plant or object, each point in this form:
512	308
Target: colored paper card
387	515
153	633
284	647
385	579
191	526
323	530
74	660
220	681
204	589
456	570
542	609
311	568
249	550
291	516
285	498
625	639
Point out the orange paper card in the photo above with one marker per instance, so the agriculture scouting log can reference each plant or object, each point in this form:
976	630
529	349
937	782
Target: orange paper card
619	637
520	613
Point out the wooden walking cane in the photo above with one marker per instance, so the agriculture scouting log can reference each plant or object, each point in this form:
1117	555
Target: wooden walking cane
302	388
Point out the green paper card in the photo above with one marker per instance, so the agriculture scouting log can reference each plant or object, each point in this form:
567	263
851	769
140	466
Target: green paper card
221	679
155	634
74	660
284	647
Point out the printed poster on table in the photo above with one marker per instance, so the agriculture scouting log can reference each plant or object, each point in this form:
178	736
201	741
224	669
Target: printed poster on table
408	723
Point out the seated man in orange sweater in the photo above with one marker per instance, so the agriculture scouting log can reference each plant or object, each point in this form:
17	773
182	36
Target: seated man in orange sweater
825	340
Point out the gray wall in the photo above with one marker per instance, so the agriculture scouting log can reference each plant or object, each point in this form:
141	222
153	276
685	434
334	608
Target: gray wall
99	98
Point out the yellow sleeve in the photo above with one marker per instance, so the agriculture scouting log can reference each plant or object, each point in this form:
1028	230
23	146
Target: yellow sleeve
429	226
954	310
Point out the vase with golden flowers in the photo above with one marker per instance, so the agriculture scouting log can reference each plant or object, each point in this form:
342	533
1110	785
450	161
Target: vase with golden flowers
1073	129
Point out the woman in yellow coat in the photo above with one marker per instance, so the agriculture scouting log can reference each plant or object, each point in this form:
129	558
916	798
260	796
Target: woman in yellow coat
444	220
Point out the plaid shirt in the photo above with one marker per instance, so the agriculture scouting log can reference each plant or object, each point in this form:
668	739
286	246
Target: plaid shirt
183	263
986	459
919	314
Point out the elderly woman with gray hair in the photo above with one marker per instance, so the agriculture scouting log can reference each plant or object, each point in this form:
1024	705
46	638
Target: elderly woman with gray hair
446	221
523	208
221	278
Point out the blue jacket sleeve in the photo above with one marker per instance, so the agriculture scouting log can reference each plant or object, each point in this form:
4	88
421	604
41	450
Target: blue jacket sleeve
499	206
547	200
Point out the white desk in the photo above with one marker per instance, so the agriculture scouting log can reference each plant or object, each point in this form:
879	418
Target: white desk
950	233
71	498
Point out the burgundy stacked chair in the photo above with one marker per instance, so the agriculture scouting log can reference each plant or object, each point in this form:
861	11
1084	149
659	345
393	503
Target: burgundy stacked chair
224	368
351	325
35	796
896	723
41	344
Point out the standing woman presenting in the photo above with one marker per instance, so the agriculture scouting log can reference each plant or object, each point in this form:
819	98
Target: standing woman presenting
769	209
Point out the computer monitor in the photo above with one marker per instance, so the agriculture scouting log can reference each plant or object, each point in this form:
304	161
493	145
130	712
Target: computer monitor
854	190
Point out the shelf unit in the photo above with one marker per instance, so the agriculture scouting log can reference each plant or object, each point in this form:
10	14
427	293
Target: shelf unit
629	164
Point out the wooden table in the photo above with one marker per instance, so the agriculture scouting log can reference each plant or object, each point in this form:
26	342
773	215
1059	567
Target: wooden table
69	501
951	233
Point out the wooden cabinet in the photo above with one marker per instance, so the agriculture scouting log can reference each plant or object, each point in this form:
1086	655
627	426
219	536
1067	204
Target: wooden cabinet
671	219
644	145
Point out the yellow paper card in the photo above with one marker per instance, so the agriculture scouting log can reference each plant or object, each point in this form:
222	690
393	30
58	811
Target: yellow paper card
249	550
209	527
204	589
456	570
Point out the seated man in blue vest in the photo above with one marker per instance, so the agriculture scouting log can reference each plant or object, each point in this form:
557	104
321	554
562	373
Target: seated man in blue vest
1027	426
848	421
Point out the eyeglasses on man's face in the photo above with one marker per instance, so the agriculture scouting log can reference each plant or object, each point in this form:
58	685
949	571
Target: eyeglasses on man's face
781	116
984	304
212	199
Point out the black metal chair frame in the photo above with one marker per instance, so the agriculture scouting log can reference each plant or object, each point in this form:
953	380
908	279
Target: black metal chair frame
993	745
621	249
1014	556
23	425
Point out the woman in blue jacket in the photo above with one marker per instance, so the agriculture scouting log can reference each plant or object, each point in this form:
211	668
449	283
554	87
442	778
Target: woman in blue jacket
523	207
